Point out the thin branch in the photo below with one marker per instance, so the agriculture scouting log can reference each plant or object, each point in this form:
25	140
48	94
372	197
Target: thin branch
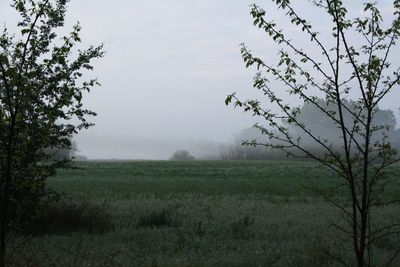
314	37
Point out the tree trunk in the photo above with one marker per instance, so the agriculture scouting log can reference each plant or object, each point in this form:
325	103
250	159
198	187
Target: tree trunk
3	223
5	194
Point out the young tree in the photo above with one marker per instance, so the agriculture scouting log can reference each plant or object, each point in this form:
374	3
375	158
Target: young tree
41	89
348	70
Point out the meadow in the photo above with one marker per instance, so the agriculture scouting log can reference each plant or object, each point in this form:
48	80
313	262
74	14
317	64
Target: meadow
195	213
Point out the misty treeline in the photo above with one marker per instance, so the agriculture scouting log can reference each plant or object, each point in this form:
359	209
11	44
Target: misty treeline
64	153
250	143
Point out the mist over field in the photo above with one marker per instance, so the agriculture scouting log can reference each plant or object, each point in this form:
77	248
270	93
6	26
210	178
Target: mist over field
199	133
168	68
129	147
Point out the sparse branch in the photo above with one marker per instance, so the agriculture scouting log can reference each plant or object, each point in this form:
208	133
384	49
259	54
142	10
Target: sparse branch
382	66
350	55
362	156
291	83
384	92
298	89
307	28
259	111
280	38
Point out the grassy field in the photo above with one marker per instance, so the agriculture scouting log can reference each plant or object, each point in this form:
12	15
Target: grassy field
200	213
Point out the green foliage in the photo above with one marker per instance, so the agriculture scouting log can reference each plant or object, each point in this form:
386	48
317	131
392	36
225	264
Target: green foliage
41	89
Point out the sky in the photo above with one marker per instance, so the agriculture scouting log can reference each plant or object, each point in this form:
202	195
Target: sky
168	68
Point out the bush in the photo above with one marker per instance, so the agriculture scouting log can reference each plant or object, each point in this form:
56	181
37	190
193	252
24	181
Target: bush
241	228
158	218
29	203
181	155
66	217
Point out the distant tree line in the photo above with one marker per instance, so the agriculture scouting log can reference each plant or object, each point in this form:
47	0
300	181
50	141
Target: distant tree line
237	150
248	145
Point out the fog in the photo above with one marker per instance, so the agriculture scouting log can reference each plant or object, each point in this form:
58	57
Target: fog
131	147
168	68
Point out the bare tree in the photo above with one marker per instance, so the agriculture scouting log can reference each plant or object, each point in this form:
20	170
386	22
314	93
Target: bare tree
346	70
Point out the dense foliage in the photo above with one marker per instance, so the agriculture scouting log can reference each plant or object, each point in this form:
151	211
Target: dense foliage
41	90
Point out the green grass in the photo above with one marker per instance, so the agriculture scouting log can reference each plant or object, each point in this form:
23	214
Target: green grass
105	179
200	213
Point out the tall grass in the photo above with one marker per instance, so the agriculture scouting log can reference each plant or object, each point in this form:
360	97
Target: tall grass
198	214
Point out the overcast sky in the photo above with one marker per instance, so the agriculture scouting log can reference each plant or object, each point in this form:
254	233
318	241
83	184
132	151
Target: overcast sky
170	64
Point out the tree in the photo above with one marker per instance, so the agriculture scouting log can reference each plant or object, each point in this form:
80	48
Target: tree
60	154
322	126
317	123
41	89
181	155
239	151
345	71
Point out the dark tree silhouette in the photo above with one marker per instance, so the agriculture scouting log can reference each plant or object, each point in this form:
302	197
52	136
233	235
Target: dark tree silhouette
41	89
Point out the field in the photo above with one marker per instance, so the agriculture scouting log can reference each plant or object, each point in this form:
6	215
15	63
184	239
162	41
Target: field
200	213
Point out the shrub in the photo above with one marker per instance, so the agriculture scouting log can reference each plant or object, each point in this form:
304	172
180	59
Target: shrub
157	218
181	155
241	228
67	217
